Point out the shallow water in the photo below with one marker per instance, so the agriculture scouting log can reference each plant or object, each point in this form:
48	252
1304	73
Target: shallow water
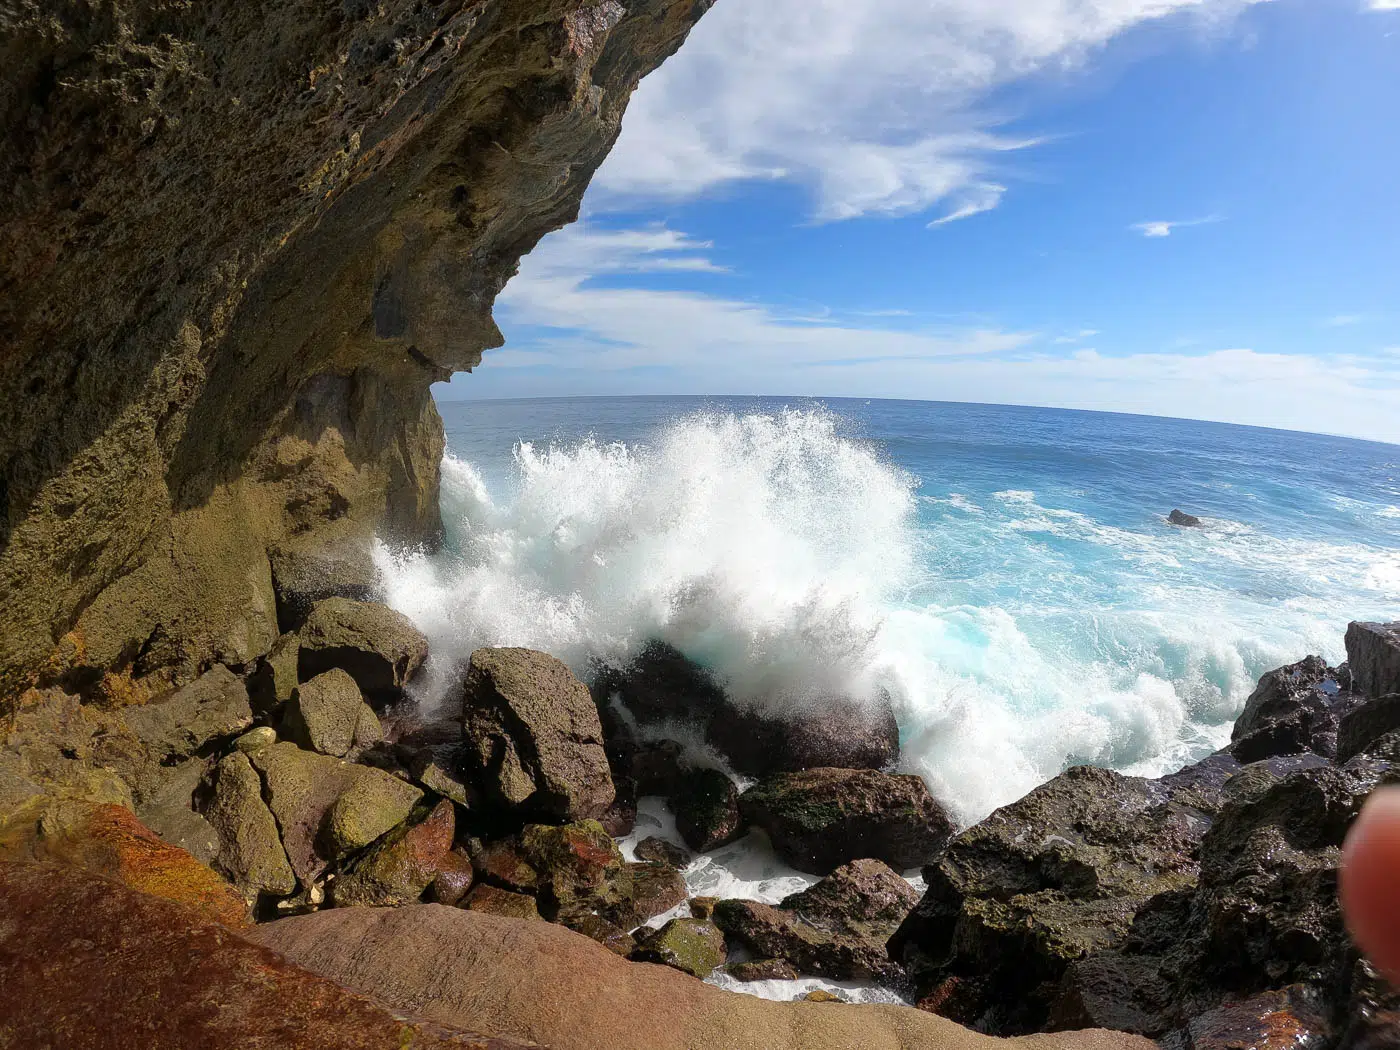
1005	574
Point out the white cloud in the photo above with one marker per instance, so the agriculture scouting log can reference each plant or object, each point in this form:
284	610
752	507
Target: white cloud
1384	5
879	107
1164	229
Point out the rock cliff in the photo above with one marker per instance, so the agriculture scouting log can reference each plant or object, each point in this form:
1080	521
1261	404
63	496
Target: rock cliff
240	241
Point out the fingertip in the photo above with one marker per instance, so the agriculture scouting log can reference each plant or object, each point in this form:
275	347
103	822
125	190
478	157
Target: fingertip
1370	880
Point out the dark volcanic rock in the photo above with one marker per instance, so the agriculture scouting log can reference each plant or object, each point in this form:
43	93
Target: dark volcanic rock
398	868
836	929
611	936
662	684
1363	726
495	901
379	647
97	965
1286	1019
823	732
659	851
578	866
1373	654
706	805
646	890
693	946
822	818
1293	709
1180	517
533	739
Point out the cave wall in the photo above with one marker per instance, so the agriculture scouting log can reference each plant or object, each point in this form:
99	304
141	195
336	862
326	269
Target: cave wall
241	240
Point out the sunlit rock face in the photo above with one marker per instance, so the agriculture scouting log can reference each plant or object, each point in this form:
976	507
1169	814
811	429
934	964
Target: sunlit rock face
238	242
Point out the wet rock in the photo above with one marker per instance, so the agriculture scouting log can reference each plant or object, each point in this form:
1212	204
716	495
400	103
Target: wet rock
533	739
657	766
693	946
659	851
325	715
250	851
1125	993
326	807
762	970
1366	724
663	684
578	865
379	647
706	805
644	891
831	732
399	868
1294	709
1286	1019
1373	654
303	576
502	863
822	818
1180	517
837	929
821	995
495	901
703	907
454	879
611	936
436	768
1048	880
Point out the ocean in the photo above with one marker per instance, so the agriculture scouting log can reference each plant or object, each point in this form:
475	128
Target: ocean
1006	574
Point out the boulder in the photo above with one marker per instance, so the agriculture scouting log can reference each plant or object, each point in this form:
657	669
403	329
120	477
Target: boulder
837	929
1276	1020
502	863
1294	709
436	768
399	868
1363	726
492	900
662	684
328	714
303	576
250	850
820	819
256	740
96	965
656	766
1373	654
693	946
547	984
659	851
706	805
534	743
1180	517
645	891
326	807
762	970
611	936
379	647
579	865
454	879
832	732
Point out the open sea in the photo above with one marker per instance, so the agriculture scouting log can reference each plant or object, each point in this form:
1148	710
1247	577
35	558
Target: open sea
1005	574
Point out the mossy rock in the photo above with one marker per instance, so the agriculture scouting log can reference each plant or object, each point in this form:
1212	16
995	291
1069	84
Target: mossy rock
693	946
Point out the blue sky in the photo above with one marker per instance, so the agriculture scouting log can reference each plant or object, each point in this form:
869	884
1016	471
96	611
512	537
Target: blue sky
1180	207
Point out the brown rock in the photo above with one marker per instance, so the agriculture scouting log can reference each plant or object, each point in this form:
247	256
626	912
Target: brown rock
398	868
611	936
503	864
95	965
454	879
763	970
829	732
645	891
693	946
706	805
659	851
534	741
379	647
325	714
703	907
502	903
545	983
1373	653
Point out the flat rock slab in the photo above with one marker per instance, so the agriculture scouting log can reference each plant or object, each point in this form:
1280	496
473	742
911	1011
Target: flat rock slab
545	983
1373	652
87	964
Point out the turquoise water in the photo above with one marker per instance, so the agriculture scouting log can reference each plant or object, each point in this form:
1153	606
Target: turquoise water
1005	574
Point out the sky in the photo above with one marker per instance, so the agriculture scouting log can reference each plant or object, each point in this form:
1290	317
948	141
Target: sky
1174	207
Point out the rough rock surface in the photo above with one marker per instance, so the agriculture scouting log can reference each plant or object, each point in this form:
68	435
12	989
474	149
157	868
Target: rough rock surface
398	868
379	647
533	739
1294	709
659	851
838	928
492	900
306	573
1373	654
823	732
693	946
706	805
1180	517
250	849
240	242
545	983
97	966
820	819
326	714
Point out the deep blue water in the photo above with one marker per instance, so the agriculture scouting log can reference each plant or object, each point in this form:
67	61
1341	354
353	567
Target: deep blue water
1005	573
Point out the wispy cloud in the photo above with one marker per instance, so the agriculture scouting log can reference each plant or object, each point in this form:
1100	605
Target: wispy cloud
1384	5
1075	337
878	108
1164	228
1345	320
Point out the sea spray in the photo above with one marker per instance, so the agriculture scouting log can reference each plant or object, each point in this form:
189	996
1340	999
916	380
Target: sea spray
795	558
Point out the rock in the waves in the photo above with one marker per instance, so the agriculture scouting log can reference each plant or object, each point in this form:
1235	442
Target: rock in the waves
303	576
1293	709
398	868
1180	517
1373	654
820	819
662	684
659	851
1040	883
548	984
762	970
379	647
693	946
328	714
95	965
611	936
533	739
250	851
838	928
832	732
326	807
706	805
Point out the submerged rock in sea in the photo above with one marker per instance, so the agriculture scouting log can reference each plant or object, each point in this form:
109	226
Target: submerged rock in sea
1180	517
533	739
820	819
379	647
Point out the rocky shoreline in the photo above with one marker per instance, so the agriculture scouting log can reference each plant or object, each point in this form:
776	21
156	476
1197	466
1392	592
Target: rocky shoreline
1198	909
